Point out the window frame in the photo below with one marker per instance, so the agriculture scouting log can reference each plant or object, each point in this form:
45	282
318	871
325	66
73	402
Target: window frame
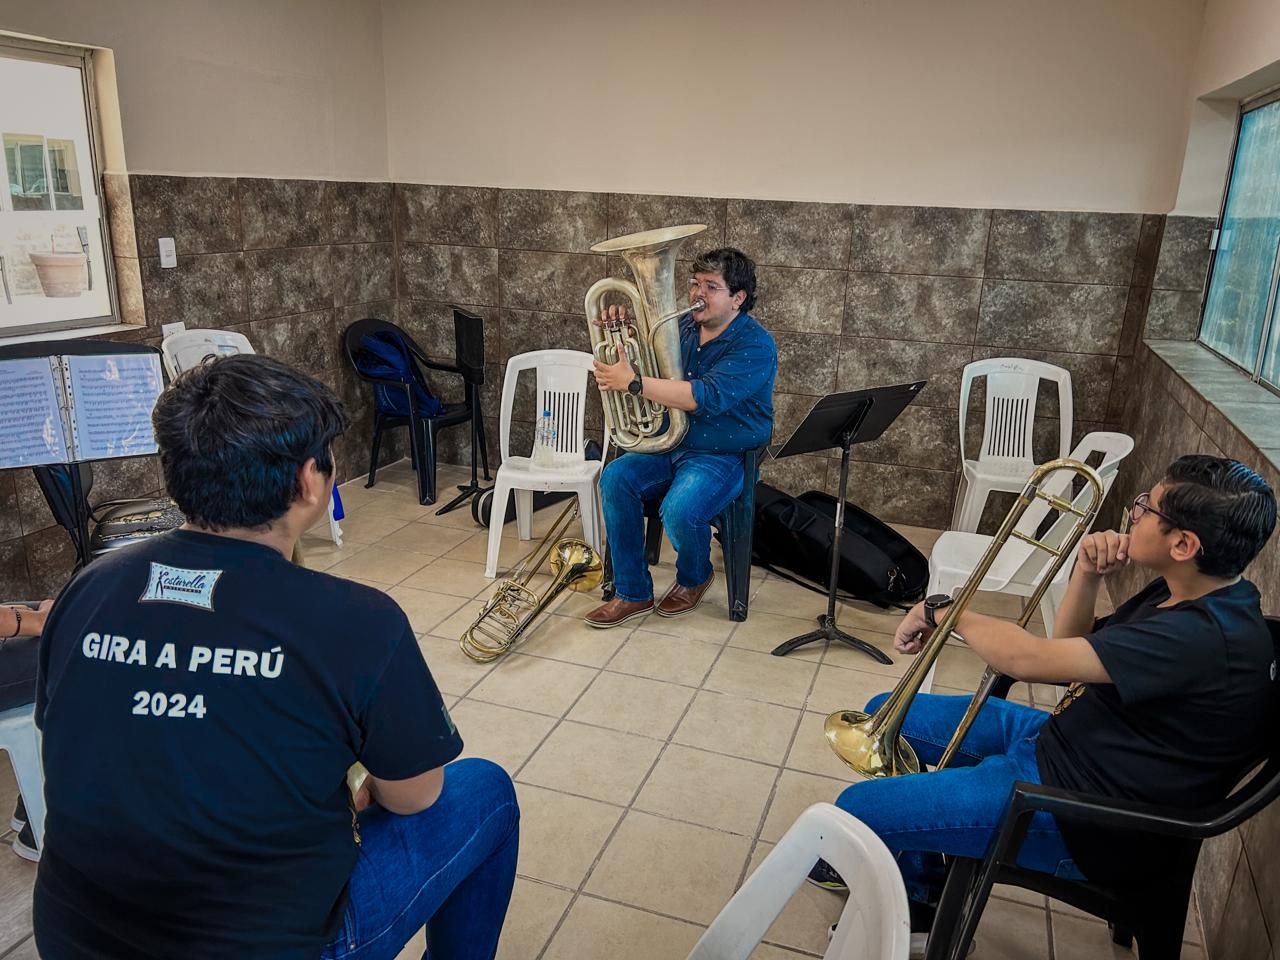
69	55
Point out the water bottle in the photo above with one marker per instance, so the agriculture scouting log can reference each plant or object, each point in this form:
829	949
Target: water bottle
544	441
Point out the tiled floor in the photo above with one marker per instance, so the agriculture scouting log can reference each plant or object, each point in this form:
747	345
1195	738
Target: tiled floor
656	764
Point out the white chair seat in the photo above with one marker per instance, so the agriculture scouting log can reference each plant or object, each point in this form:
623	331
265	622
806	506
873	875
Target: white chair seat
533	477
21	740
958	553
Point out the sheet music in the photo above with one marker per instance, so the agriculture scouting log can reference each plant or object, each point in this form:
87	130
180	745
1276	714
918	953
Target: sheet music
31	428
112	398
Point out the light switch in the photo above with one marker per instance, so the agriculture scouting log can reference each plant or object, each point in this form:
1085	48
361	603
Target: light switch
169	329
168	254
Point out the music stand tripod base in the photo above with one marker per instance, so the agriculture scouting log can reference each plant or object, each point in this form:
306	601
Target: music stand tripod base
827	630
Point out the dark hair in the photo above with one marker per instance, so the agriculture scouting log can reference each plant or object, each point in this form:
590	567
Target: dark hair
232	434
1226	504
737	269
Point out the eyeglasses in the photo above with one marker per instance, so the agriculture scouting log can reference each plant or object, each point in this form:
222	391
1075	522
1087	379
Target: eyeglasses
1142	505
696	285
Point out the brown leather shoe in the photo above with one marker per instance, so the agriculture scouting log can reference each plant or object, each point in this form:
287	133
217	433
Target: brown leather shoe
616	612
681	600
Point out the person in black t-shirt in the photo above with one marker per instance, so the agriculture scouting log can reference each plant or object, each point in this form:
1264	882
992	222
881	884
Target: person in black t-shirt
1172	697
202	700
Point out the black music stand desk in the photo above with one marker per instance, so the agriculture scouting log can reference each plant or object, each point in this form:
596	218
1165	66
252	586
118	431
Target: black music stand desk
841	420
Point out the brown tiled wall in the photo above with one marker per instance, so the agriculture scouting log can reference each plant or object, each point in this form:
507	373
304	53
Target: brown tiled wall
854	296
1238	881
288	263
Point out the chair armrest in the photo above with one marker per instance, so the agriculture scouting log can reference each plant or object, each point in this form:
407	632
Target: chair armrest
1117	814
438	365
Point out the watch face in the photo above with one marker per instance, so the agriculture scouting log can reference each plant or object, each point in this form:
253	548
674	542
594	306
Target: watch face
635	386
937	600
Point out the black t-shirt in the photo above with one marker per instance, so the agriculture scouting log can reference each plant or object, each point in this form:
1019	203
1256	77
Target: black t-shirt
1189	709
201	700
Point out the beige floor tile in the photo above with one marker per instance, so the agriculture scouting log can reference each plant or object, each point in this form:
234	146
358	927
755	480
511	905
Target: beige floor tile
453	671
399	503
17	877
1008	892
650	708
709	623
843	655
505	736
959	667
416	947
859	617
476	547
453	626
355	494
839	689
808	915
673	868
769	952
1012	931
592	762
425	609
580	604
380	565
530	683
762	631
759	676
27	951
708	789
787	599
810	752
660	657
568	638
321	553
599	929
424	538
561	835
535	910
458	577
362	527
922	538
739	727
794	794
1075	938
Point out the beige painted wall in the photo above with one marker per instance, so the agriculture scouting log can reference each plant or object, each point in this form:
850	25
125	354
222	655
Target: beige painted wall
1238	57
1014	103
276	88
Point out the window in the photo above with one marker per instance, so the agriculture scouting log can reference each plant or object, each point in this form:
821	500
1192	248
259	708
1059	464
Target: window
55	255
1240	308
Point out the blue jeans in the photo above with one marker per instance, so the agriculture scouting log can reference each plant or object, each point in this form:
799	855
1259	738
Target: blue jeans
694	488
450	867
958	810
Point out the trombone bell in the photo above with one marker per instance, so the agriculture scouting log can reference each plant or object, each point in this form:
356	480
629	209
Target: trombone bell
866	751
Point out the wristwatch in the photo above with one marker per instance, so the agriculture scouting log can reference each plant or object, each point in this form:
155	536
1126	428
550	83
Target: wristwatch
635	386
935	602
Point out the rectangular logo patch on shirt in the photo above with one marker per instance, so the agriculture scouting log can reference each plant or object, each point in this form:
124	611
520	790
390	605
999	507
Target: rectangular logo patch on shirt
176	585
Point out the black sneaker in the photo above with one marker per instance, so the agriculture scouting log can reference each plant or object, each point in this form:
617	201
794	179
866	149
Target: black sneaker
24	844
19	818
824	875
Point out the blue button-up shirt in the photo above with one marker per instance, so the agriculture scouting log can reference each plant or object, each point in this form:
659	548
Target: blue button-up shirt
732	379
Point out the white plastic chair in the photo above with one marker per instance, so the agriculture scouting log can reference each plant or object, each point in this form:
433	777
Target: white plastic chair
1005	460
874	924
190	348
20	739
1019	565
562	389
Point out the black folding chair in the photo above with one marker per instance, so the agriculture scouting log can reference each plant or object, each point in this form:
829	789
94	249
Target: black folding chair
1157	918
422	429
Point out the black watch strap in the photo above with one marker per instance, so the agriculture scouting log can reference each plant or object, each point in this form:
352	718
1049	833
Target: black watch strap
636	386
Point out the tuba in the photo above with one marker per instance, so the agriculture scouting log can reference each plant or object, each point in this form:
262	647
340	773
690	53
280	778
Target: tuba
514	606
650	341
872	744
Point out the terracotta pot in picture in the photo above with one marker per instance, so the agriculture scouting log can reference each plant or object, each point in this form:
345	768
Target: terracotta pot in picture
61	274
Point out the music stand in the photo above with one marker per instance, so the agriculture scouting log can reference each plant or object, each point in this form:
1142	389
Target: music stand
841	420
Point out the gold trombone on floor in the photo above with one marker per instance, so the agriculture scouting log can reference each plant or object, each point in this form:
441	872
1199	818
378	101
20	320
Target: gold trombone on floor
514	606
872	745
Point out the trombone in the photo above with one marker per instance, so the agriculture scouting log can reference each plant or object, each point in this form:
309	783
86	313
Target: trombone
514	606
872	745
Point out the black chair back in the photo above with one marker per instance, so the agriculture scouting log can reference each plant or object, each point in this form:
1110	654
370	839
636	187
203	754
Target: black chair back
468	335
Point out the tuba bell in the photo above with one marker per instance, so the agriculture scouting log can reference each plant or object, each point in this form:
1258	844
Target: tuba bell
650	341
514	606
872	744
